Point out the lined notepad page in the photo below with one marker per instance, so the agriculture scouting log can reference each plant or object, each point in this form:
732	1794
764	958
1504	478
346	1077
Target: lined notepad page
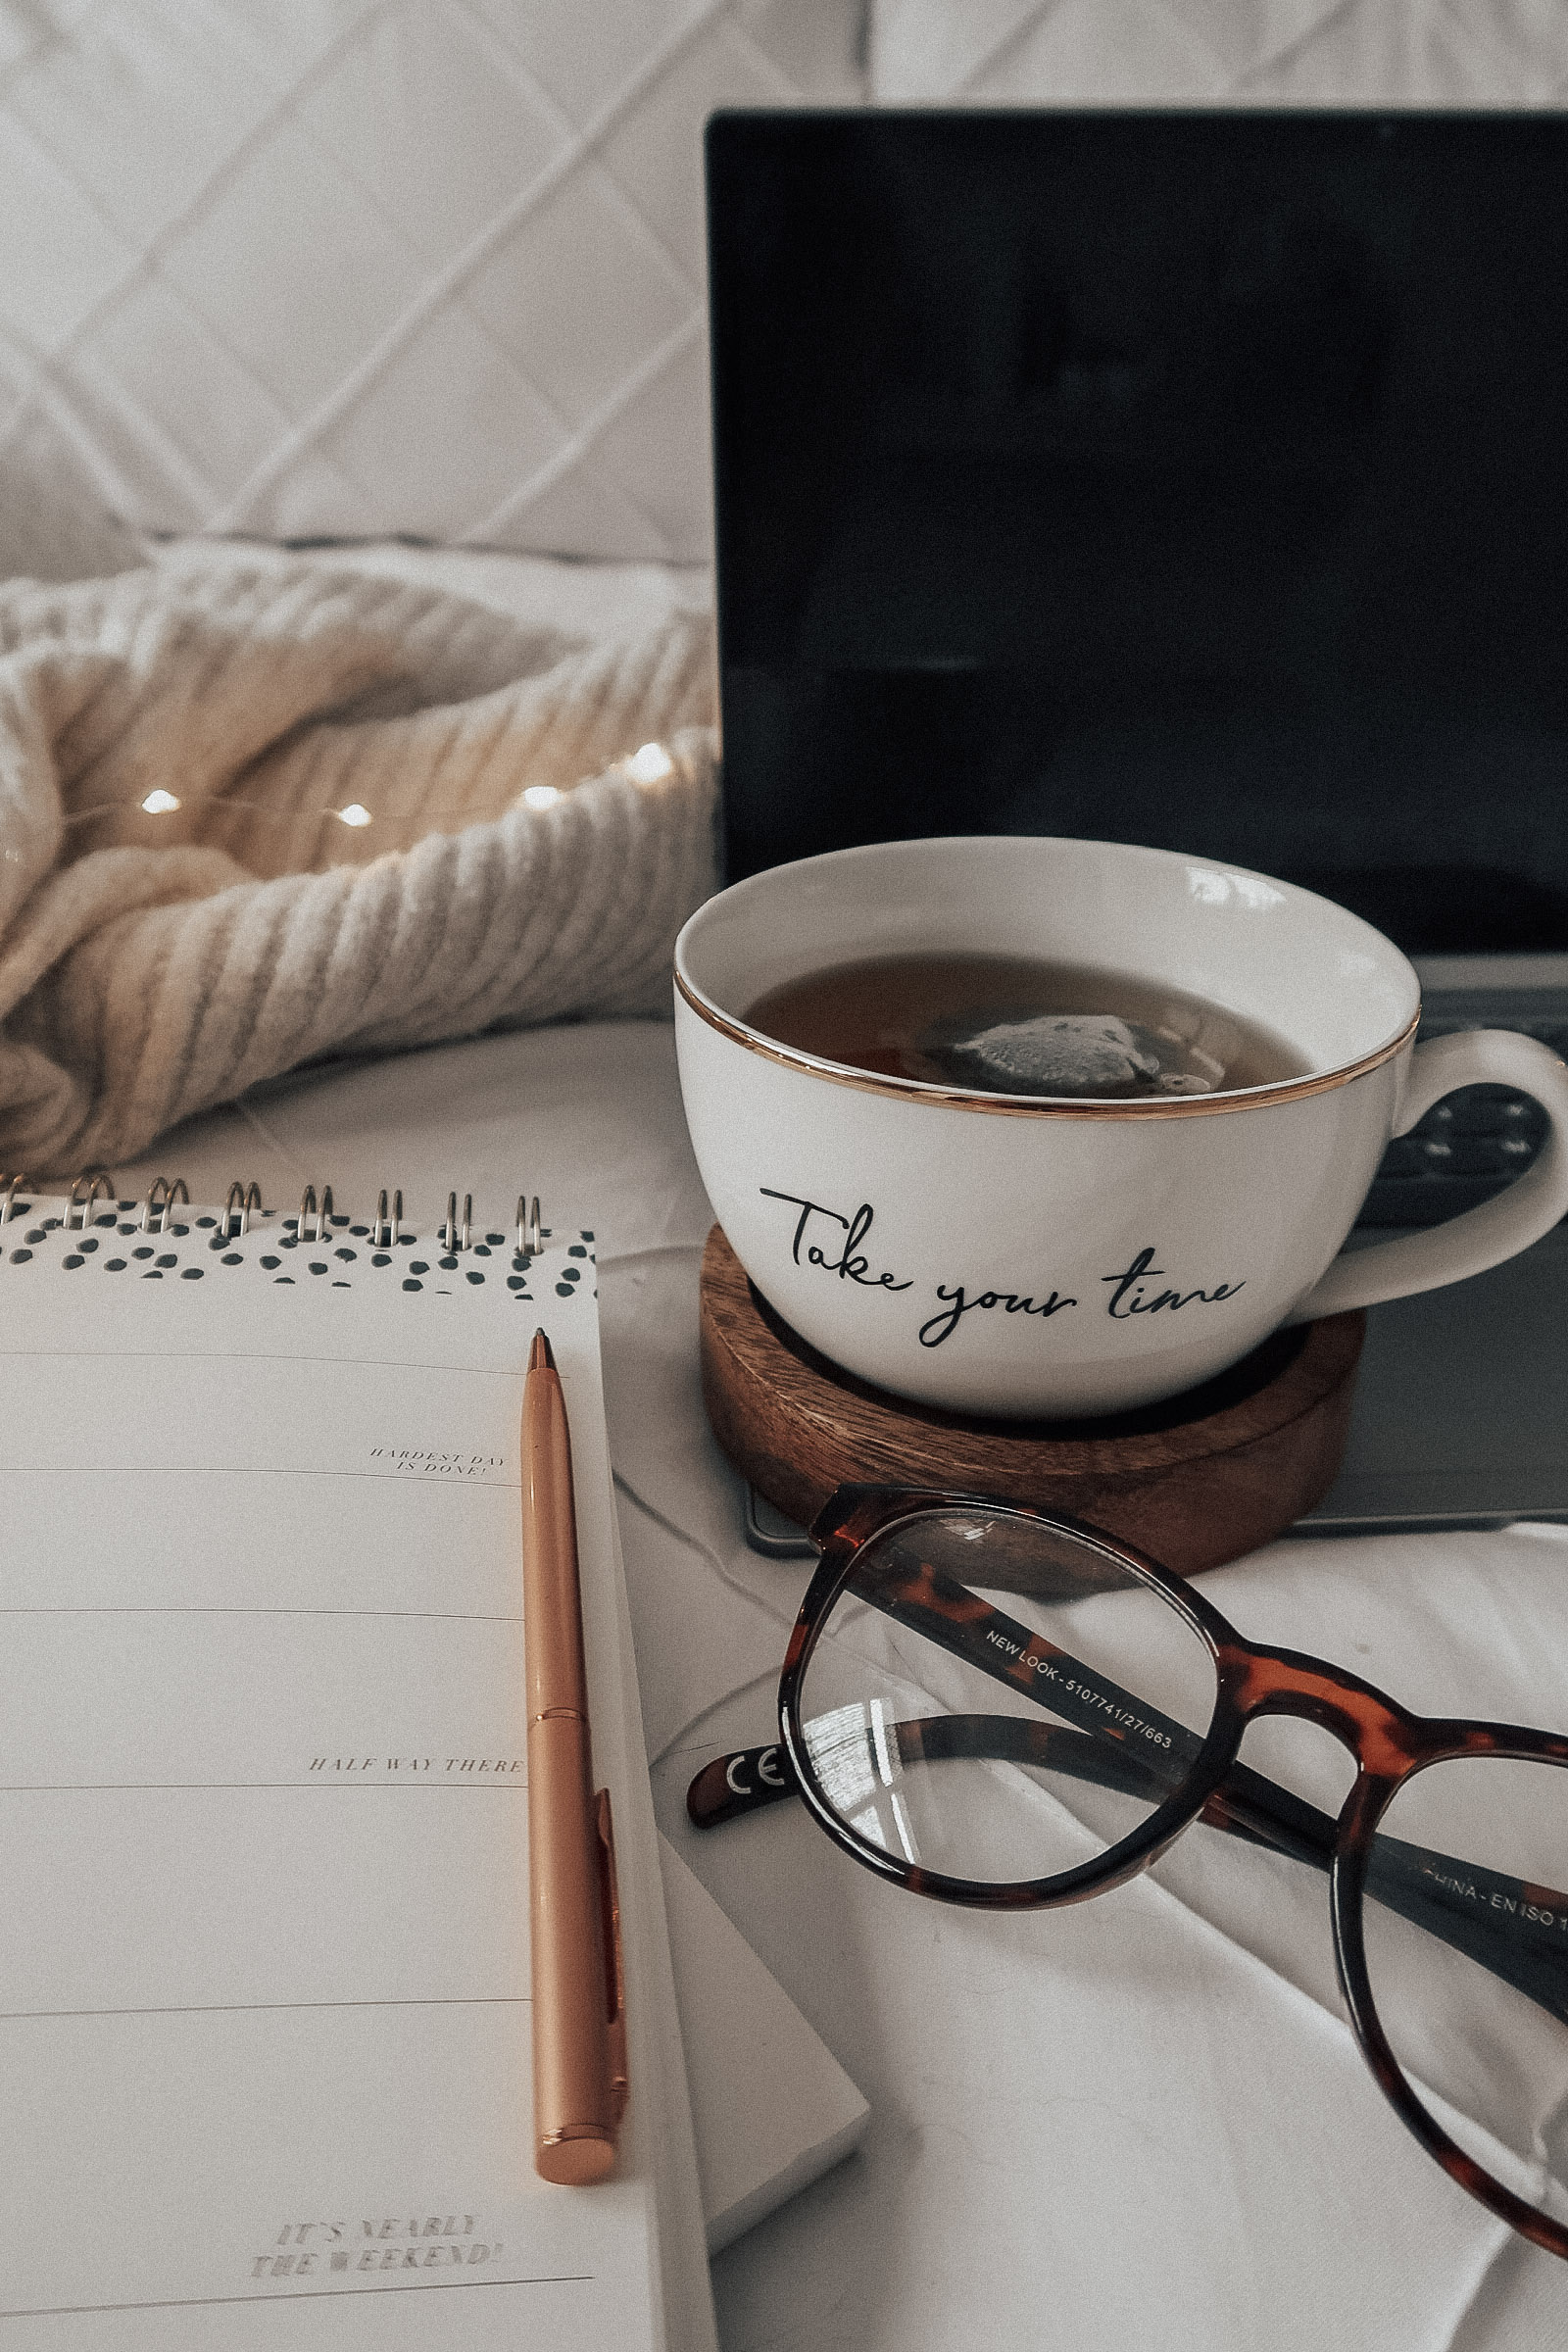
264	2028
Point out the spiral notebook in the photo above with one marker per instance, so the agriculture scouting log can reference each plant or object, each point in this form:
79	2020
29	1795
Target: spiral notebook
265	2031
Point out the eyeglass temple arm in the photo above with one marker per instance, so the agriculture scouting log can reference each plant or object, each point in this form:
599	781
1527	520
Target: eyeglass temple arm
752	1778
1448	1899
755	1777
1431	1890
743	1781
1472	1910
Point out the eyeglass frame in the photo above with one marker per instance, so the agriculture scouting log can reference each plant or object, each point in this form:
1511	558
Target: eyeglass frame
1388	1743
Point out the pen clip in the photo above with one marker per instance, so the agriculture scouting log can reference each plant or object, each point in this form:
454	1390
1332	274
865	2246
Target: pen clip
614	1965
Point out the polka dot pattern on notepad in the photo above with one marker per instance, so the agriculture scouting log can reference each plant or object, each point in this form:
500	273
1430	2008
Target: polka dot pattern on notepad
275	1251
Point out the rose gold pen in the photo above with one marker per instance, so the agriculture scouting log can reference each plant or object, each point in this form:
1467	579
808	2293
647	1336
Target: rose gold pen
580	2026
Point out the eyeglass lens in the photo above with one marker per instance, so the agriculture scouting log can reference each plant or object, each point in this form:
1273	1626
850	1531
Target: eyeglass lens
1477	1846
1001	1702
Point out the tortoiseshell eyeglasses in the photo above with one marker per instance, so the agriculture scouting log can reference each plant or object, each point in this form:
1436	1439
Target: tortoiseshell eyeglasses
1001	1708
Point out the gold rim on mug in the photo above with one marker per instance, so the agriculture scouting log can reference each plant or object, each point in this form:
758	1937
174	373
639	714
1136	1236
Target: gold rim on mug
1040	1106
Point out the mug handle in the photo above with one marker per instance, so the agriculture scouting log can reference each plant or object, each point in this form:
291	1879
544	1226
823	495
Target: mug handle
1479	1237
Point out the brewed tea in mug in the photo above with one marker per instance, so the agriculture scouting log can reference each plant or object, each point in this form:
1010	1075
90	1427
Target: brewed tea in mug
1021	1025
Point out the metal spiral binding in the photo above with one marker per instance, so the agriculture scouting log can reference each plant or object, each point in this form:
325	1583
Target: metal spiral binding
242	1198
161	1197
100	1185
166	1193
530	1233
308	1209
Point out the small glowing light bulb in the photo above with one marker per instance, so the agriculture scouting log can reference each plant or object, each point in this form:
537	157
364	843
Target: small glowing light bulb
159	804
353	814
540	796
651	765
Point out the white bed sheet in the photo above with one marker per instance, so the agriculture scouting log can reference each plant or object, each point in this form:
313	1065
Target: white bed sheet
1108	2125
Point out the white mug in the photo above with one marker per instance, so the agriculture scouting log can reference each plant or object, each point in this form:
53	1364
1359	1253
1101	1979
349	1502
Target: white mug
1046	1258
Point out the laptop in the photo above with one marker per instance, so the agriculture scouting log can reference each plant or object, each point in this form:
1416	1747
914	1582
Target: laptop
1201	480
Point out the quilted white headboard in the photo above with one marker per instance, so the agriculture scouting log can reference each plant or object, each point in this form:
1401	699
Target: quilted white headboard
1219	52
350	269
302	269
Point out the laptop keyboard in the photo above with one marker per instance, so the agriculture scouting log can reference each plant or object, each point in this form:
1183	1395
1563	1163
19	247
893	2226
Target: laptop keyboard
1471	1145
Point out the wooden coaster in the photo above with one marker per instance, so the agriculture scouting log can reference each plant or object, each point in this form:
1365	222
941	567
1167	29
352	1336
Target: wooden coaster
1193	1482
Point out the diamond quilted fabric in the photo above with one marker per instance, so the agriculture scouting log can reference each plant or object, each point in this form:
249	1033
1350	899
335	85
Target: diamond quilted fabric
1218	52
352	268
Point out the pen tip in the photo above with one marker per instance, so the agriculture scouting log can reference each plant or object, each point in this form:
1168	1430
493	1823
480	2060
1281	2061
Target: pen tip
540	1359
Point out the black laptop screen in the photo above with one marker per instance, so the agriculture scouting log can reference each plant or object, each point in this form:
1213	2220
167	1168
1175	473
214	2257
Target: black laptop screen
1197	480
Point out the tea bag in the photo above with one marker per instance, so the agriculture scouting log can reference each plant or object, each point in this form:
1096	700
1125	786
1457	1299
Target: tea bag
1066	1054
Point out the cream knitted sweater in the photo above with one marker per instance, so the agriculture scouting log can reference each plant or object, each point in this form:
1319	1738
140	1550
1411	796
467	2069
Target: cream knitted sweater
249	817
